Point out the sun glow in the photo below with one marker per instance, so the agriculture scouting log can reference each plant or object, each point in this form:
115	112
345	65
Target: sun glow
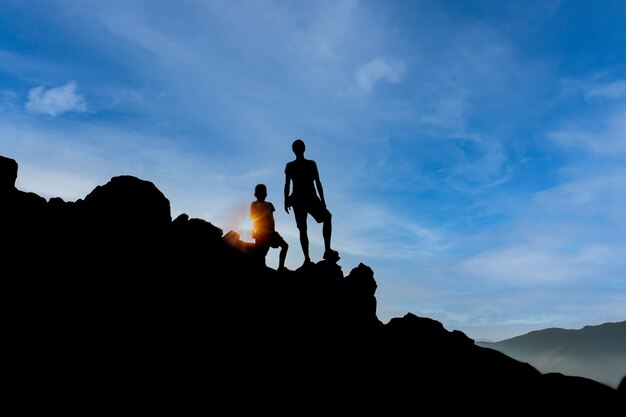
245	227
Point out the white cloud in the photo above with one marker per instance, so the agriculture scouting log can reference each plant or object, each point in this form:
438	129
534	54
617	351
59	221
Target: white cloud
536	263
371	73
612	90
56	101
608	139
600	194
596	88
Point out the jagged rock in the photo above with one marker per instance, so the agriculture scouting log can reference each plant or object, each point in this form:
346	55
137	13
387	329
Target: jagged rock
233	239
127	201
22	218
8	174
361	301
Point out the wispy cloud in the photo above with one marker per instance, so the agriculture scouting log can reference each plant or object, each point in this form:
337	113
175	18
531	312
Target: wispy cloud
56	100
600	194
541	264
483	163
24	66
612	90
606	137
328	29
8	100
371	73
597	88
377	231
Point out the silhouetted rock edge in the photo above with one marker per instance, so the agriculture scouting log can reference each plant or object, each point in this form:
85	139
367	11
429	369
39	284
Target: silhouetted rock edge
110	290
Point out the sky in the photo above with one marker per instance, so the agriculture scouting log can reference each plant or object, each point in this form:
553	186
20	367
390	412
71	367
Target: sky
472	153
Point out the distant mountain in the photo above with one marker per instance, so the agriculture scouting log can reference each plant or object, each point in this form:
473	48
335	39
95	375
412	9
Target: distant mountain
595	352
109	304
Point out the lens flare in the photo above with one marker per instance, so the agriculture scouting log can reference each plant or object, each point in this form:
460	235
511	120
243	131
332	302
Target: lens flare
245	228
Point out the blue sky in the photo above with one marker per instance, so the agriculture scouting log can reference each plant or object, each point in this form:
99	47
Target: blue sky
472	153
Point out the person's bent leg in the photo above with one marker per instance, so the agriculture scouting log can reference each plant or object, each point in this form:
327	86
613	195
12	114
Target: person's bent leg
329	253
327	230
283	254
304	242
301	218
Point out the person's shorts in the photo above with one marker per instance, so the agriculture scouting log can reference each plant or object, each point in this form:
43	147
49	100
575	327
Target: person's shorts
274	241
312	206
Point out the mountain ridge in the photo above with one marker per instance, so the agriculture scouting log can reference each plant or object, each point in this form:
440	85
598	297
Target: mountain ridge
112	300
594	351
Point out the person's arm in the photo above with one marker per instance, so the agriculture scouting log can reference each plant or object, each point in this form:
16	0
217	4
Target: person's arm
286	191
318	185
272	222
253	217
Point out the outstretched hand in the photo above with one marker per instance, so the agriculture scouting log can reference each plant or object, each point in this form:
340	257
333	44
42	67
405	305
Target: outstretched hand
287	207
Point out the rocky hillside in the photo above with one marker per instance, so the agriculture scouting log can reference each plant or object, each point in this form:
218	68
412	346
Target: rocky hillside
595	352
113	305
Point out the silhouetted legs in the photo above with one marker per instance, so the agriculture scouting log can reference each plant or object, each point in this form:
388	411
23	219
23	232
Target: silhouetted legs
327	229
304	242
282	255
262	247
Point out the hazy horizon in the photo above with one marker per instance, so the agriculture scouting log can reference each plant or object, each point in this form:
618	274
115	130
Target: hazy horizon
472	153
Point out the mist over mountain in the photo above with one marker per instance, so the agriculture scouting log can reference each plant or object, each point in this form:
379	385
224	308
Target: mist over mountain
597	352
112	303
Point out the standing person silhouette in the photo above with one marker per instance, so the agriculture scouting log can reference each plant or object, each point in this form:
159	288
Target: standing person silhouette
307	197
263	227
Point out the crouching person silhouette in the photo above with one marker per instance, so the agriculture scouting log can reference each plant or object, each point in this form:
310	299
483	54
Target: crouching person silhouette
263	228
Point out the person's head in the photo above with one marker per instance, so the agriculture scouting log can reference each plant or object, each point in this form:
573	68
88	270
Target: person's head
298	147
260	191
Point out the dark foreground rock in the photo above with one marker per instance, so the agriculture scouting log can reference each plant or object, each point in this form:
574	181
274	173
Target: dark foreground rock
112	306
